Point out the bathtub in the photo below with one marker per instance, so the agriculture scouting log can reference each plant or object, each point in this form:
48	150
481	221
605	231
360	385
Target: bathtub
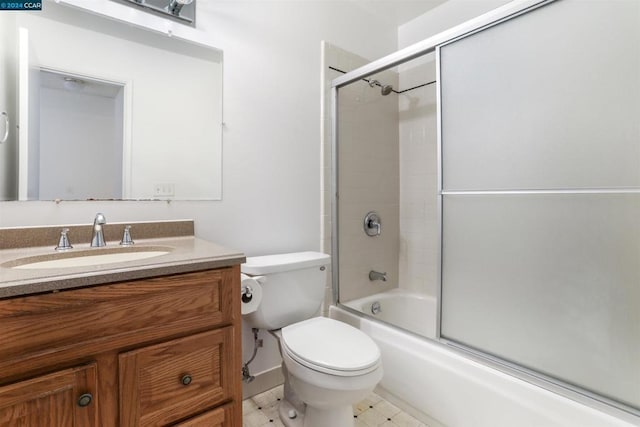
412	311
443	387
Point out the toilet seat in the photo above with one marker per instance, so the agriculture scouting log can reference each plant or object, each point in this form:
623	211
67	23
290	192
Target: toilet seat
330	346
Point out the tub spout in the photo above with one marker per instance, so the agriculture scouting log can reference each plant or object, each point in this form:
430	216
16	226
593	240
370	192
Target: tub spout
376	275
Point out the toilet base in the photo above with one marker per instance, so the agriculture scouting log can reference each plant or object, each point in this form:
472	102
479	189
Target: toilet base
285	409
315	417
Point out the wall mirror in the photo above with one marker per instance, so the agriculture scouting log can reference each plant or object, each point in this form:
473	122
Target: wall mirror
107	110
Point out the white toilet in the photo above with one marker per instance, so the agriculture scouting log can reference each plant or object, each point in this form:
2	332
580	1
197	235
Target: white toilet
328	365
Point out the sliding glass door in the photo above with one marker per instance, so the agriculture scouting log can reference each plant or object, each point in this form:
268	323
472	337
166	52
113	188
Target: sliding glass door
540	194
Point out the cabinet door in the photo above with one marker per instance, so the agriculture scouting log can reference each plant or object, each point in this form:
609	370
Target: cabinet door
168	382
62	399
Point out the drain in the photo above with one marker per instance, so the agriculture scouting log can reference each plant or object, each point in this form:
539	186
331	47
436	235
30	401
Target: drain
376	308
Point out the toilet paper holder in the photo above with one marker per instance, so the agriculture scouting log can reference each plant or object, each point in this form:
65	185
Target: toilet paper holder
247	294
250	293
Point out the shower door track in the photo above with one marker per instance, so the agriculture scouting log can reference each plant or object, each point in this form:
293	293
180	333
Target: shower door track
534	192
573	392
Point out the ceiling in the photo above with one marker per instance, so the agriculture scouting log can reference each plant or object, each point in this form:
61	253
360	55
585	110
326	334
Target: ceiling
397	11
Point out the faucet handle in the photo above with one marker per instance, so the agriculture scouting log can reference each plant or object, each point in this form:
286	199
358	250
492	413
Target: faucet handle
126	237
63	243
372	224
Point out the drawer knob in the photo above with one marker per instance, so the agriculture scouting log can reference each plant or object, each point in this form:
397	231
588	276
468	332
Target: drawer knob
186	379
85	400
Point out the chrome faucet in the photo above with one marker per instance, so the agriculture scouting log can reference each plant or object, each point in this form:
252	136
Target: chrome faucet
63	243
97	240
376	275
126	237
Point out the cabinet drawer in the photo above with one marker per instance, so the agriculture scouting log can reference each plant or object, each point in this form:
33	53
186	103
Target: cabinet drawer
42	329
219	417
167	382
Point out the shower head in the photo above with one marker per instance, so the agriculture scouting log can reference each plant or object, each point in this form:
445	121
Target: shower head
384	89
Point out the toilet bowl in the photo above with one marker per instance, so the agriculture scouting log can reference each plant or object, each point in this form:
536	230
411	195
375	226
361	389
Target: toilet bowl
328	365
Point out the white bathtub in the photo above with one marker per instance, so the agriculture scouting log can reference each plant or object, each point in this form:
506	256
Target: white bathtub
412	311
443	388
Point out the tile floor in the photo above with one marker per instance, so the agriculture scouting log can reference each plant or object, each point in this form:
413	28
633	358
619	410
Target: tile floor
262	411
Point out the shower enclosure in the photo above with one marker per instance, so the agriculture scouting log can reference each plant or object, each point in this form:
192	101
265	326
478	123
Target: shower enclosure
507	194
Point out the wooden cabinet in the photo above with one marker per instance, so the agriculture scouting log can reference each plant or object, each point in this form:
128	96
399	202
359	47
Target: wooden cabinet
152	352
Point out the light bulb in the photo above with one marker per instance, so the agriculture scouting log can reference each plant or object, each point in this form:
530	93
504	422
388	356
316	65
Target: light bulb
175	6
71	83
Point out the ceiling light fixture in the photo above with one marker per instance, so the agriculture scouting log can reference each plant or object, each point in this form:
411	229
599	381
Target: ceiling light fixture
183	11
176	5
72	83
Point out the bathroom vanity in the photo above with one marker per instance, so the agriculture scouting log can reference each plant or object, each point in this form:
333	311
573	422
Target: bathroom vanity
151	342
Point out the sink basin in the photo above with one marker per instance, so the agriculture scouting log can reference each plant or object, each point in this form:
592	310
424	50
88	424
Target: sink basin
88	258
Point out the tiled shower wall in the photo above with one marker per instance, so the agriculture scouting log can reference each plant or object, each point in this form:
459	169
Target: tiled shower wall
418	178
369	177
394	174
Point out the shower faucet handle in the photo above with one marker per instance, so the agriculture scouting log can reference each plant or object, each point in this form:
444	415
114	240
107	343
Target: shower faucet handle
372	224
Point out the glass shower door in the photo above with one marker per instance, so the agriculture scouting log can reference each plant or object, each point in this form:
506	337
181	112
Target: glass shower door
540	193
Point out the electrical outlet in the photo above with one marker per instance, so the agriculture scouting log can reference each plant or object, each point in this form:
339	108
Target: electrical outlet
164	190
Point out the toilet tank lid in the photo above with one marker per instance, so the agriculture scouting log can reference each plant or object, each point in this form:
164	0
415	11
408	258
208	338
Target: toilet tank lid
267	264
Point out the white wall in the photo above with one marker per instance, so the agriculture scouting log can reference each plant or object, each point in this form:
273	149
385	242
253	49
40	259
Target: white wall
78	137
443	17
271	143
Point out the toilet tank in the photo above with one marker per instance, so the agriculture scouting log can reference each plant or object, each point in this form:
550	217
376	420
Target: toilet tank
293	287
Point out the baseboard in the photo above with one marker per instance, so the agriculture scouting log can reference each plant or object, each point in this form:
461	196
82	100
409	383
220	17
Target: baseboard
263	381
415	413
